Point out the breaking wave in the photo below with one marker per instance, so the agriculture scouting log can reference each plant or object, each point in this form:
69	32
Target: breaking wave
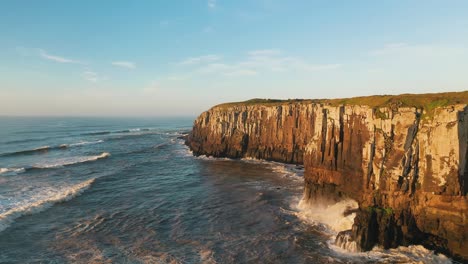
12	171
45	149
335	219
333	215
70	161
97	133
410	254
28	151
42	202
54	163
82	143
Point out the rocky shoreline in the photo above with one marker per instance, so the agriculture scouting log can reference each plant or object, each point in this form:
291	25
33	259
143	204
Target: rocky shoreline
406	165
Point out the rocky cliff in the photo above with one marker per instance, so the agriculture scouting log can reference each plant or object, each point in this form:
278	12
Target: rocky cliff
403	158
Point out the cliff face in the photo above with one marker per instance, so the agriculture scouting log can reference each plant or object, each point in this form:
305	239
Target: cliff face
406	167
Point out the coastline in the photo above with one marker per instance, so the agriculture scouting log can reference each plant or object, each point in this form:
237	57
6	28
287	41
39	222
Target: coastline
377	156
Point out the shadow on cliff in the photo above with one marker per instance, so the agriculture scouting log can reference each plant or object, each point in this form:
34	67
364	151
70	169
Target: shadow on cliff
463	134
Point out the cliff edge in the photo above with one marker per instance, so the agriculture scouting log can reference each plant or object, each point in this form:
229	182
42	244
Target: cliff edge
402	158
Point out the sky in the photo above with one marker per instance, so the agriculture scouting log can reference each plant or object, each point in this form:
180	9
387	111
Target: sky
179	58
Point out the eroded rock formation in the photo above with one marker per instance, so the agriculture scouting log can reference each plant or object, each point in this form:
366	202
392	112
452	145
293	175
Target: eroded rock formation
406	166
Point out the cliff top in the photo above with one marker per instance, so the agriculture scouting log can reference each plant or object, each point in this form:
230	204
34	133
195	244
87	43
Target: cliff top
427	101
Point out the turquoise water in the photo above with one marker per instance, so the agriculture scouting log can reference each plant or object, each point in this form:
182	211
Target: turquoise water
92	190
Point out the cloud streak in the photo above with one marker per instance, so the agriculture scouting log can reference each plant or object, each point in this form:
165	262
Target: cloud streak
257	61
43	54
417	50
124	64
200	59
92	76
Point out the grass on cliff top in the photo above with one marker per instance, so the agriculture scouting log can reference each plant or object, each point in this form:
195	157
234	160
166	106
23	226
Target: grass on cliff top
427	101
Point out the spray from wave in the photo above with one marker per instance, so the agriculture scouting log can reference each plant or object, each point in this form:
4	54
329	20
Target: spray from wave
42	202
332	215
339	218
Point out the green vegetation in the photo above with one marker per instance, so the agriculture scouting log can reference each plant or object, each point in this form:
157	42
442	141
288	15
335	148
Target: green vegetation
383	210
259	101
380	114
428	102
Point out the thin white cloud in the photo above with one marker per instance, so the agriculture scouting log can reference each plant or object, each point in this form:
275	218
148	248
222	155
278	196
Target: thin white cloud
212	4
124	64
417	50
264	52
200	59
213	68
241	72
256	61
56	58
92	76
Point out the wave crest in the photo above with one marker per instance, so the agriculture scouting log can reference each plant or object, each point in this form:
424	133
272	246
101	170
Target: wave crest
13	171
70	161
8	217
44	149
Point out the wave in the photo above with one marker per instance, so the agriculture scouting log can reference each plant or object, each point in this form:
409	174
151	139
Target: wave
69	161
11	171
45	149
42	203
82	143
402	254
54	164
131	130
334	219
27	151
331	215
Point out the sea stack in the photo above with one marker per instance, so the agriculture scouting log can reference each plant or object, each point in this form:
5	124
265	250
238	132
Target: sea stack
402	158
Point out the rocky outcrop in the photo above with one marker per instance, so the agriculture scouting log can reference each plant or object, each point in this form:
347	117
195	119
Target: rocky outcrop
406	166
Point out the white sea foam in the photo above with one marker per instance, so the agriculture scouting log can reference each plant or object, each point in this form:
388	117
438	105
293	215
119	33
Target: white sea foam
41	148
331	215
204	157
13	171
83	143
69	161
411	254
42	200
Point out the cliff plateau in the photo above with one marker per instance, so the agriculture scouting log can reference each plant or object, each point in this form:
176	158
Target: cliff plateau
402	158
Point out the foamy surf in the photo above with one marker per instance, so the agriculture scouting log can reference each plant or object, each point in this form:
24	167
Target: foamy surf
12	171
411	254
44	201
82	143
333	217
70	161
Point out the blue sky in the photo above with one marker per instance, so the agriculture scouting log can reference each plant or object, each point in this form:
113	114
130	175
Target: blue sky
158	58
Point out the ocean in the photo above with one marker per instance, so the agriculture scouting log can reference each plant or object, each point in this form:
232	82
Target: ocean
127	190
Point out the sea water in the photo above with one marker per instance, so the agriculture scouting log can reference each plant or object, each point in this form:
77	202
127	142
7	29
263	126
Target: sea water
127	190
